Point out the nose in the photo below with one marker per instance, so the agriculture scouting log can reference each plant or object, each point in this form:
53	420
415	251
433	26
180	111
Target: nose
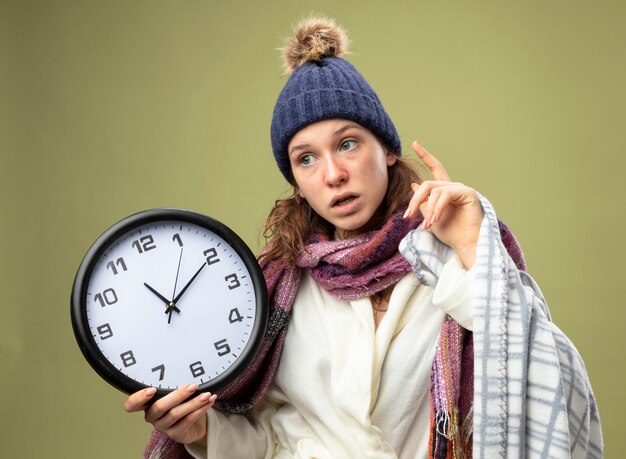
335	172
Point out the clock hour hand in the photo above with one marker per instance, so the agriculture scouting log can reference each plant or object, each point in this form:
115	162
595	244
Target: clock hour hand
171	305
189	283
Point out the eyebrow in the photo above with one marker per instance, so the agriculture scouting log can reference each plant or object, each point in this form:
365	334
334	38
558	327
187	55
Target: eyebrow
338	132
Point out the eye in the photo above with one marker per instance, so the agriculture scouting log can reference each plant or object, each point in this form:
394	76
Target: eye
348	144
306	159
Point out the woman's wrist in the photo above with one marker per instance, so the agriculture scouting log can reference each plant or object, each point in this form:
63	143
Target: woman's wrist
467	255
204	426
201	441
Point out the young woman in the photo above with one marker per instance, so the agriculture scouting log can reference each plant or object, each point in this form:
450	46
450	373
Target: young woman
402	323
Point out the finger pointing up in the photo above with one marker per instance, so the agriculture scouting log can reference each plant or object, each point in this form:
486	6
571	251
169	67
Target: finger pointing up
433	164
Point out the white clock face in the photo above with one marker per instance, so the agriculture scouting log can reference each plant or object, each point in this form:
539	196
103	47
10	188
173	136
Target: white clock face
171	303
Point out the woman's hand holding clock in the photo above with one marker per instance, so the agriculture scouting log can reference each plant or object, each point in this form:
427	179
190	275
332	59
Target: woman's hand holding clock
175	415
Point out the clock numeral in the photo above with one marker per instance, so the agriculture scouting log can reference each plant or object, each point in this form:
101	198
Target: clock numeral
105	331
128	359
234	316
233	281
196	369
143	244
119	262
161	370
222	347
177	238
211	256
106	297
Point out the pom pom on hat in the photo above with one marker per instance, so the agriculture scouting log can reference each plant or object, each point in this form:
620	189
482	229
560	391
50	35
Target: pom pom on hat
314	38
324	86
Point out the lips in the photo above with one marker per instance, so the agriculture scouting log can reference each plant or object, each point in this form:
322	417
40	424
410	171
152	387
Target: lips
343	200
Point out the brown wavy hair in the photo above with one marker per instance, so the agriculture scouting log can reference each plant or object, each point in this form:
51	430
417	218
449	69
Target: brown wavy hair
292	221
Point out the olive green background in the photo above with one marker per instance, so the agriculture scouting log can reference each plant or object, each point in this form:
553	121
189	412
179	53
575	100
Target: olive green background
108	108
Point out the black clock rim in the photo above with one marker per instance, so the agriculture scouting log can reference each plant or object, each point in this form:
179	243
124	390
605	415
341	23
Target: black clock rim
84	337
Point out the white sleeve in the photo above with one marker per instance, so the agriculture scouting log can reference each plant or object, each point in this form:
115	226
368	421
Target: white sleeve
237	435
453	292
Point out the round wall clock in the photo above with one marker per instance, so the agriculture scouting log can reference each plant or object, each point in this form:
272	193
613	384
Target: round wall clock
168	297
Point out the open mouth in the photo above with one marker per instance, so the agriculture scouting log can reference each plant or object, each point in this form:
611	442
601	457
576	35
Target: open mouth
344	201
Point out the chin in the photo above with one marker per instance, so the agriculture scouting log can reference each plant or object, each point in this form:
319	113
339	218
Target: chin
374	222
350	230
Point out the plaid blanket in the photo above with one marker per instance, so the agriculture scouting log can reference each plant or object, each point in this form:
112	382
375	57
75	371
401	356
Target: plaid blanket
532	396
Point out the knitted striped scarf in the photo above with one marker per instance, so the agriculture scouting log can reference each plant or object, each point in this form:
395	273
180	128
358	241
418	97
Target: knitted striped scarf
349	269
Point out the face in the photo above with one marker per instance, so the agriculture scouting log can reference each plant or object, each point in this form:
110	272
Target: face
340	168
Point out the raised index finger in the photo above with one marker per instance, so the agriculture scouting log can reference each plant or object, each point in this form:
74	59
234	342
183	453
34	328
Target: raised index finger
433	164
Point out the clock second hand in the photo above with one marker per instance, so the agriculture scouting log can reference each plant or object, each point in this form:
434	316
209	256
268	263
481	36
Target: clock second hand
172	305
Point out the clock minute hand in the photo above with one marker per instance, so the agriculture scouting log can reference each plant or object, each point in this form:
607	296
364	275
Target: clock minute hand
170	304
189	283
